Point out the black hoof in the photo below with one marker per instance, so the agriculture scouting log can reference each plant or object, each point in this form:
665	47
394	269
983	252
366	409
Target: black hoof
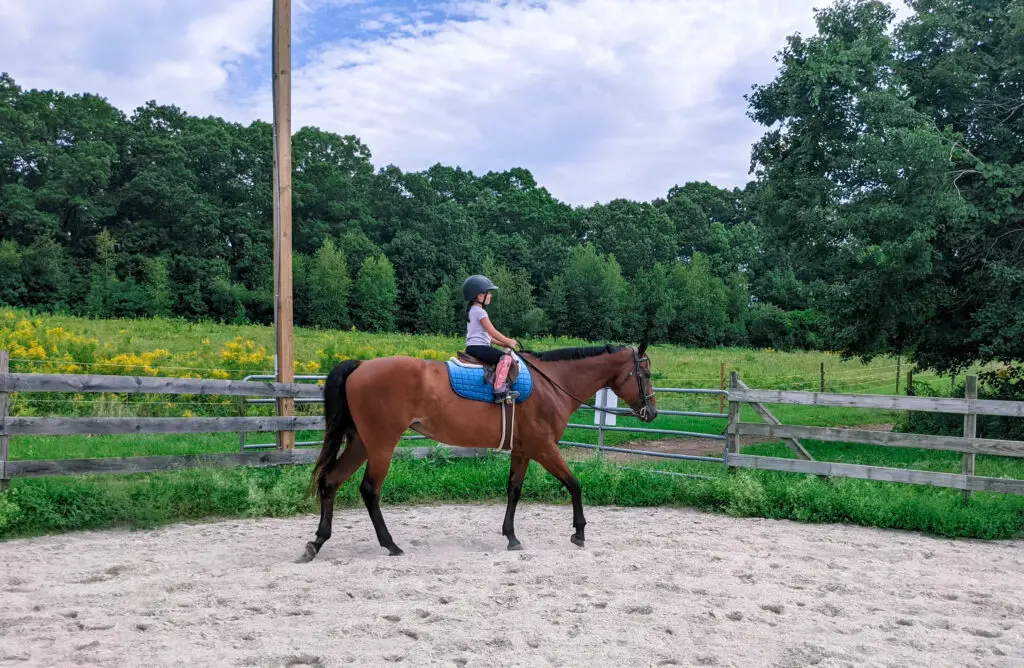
577	541
308	555
395	551
514	545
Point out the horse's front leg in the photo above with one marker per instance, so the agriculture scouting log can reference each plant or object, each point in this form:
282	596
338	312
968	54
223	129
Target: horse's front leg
516	474
551	459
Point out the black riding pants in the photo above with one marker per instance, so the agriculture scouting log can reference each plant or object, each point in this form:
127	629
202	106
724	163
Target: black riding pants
488	354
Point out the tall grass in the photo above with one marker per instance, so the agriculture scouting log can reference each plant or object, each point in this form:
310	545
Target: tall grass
33	507
182	348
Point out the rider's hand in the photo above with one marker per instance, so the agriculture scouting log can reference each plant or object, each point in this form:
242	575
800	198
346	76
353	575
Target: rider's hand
513	344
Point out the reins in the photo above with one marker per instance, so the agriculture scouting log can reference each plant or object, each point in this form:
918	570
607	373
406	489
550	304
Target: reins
636	367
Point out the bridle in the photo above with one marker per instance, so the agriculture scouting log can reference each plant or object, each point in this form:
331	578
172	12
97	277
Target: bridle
640	408
644	396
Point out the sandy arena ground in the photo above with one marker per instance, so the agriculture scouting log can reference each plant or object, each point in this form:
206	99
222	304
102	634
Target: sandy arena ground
653	587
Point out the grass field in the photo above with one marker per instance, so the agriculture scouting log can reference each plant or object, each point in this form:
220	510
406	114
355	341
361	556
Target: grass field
45	343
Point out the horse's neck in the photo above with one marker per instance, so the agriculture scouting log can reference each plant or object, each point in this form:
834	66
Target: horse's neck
581	378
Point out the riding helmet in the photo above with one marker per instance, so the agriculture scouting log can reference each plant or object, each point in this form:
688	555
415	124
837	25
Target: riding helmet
475	285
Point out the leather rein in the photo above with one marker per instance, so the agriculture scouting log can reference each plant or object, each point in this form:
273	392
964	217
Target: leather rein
639	407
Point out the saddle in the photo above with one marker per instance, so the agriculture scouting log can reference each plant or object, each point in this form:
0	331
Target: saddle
489	369
472	378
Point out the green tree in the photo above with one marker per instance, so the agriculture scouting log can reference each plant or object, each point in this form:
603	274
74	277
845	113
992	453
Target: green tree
556	305
104	286
12	286
375	295
701	304
590	296
737	299
637	234
438	313
513	302
47	274
855	189
769	327
159	280
328	285
357	247
652	307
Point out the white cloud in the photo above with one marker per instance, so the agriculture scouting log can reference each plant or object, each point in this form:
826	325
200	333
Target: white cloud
599	98
178	51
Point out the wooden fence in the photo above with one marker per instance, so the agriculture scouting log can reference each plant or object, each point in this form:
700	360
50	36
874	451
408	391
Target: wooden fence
970	407
17	426
968	444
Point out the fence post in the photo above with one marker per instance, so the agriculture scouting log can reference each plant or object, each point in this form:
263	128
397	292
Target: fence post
910	383
970	429
5	359
822	377
899	372
732	440
721	386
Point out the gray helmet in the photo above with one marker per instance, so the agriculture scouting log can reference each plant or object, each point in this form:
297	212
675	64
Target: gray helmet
475	285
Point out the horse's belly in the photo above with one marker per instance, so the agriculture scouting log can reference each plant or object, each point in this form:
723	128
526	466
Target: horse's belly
463	423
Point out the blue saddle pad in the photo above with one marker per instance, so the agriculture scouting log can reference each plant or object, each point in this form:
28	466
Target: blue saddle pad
468	382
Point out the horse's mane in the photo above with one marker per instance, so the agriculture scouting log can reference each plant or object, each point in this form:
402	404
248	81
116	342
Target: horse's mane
579	353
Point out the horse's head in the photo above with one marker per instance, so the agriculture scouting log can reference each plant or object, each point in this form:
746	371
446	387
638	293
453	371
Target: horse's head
635	386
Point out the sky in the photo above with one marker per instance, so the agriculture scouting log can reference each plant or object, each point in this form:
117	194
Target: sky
599	99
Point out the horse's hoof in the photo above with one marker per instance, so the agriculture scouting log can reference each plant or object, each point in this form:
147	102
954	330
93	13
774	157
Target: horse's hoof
395	551
307	556
515	547
577	541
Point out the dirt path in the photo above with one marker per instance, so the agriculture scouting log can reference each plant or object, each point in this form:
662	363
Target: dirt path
652	587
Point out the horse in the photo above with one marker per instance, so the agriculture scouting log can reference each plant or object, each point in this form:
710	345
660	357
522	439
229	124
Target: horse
368	405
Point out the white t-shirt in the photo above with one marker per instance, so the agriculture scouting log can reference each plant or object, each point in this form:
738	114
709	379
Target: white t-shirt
476	335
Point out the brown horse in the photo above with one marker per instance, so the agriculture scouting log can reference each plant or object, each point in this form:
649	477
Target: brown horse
370	404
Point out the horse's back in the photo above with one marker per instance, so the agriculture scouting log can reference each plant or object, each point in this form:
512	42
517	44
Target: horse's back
395	372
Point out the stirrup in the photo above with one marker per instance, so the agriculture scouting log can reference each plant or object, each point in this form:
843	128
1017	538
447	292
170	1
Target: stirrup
505	396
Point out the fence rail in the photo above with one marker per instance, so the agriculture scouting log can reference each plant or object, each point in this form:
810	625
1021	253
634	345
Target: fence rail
893	402
60	382
600	427
38	468
954	480
257	390
21	426
968	444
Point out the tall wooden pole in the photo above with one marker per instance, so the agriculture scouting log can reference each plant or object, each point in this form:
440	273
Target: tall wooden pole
4	442
282	84
970	431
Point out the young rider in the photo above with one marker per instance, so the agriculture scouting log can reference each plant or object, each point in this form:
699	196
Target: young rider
480	333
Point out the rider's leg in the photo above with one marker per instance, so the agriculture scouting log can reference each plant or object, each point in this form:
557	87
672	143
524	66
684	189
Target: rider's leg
502	392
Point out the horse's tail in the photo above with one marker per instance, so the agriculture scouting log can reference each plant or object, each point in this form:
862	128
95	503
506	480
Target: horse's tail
338	419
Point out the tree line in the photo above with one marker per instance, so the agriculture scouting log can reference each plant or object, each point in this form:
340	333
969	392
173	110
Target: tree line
162	213
886	213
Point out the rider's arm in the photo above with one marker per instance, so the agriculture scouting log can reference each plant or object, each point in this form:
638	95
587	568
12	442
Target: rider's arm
496	335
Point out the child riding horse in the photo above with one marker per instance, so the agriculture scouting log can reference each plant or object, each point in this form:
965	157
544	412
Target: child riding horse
370	404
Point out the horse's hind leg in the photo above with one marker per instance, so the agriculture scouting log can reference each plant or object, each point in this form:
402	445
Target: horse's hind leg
352	457
551	459
373	480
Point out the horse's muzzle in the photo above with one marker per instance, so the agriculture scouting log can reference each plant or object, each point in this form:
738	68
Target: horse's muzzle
646	413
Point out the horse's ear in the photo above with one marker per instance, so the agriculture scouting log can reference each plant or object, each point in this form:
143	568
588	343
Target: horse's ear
643	348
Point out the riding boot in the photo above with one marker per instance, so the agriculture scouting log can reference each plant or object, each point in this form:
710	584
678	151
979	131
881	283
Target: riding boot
502	392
